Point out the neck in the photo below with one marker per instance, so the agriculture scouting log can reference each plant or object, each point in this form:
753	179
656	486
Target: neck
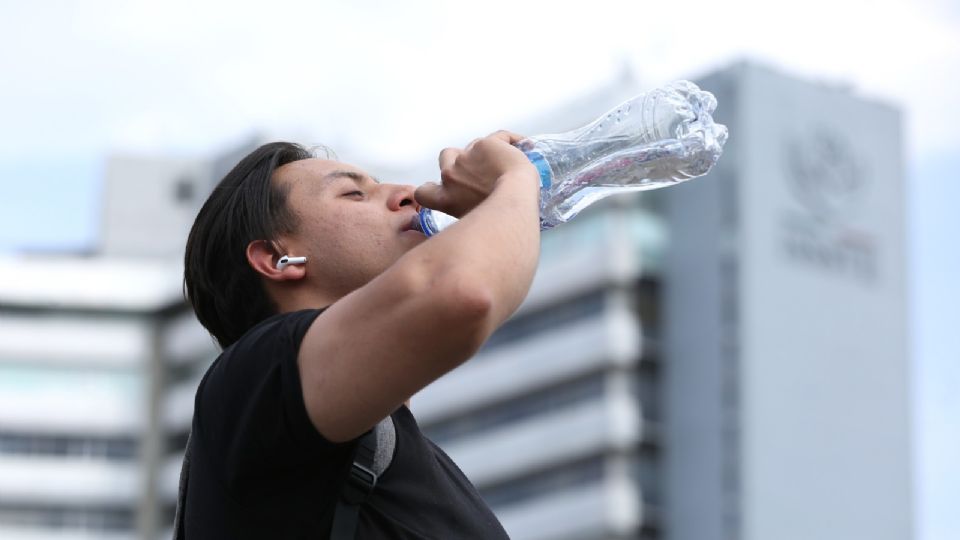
290	299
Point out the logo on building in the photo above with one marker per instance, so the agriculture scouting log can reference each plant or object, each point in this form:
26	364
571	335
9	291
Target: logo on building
825	175
829	182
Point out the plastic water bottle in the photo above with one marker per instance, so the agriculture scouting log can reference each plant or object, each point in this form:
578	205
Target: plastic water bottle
653	140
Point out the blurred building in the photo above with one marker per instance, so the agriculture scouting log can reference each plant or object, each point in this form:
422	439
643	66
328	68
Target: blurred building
557	419
99	360
725	359
150	204
787	413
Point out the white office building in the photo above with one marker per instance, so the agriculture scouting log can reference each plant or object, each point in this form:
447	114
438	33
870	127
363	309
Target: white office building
722	360
556	420
99	358
787	410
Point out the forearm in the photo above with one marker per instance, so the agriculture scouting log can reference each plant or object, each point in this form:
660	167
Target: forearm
493	250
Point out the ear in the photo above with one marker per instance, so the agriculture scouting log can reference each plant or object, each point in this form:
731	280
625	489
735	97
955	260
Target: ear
263	257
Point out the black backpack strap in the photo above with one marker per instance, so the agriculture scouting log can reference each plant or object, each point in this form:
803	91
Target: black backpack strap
178	527
374	454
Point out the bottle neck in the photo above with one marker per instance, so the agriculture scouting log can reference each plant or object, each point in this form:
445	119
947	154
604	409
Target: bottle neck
540	162
431	222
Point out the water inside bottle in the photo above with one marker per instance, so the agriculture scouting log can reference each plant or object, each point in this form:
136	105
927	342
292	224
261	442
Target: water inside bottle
631	168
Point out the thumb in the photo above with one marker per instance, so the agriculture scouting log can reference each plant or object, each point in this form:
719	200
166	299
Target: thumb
431	195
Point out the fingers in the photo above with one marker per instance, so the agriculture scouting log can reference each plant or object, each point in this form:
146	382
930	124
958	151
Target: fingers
431	195
469	175
500	135
446	160
507	136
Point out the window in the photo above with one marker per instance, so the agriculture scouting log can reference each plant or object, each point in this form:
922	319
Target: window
68	445
184	190
523	326
529	405
645	385
177	442
61	517
573	475
645	467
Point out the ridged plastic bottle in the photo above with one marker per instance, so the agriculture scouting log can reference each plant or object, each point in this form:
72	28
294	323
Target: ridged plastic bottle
653	140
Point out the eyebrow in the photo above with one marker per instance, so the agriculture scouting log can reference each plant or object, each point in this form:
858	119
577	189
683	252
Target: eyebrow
355	176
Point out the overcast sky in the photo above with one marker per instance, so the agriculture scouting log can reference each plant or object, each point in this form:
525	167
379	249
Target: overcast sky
393	82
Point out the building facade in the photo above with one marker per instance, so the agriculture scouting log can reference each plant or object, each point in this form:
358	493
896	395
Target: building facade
725	359
787	411
557	420
99	359
85	368
747	374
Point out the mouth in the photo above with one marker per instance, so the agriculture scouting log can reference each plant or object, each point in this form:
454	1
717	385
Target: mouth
412	224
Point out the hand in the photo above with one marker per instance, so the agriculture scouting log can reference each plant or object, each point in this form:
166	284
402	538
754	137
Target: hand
468	176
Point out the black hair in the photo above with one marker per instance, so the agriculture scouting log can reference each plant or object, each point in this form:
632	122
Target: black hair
227	295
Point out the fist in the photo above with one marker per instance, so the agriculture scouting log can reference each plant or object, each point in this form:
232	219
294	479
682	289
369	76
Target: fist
469	175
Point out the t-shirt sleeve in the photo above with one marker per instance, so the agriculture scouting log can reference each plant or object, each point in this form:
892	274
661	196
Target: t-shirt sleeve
250	411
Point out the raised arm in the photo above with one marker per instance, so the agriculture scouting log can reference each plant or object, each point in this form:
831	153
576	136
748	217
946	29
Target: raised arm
432	309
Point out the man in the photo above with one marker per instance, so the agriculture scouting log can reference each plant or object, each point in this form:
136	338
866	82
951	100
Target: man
360	314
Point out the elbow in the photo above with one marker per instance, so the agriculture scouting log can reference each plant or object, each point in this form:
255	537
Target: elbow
467	308
468	297
455	307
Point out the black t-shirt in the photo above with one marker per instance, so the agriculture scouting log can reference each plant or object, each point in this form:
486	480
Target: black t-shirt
259	468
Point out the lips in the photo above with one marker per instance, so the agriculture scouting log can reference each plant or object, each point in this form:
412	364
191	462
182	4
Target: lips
412	224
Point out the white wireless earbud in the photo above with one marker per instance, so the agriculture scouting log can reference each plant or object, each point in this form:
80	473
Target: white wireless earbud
287	260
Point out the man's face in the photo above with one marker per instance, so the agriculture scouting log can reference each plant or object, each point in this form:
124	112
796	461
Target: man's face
350	227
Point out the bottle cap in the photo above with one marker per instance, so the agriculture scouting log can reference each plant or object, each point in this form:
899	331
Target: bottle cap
546	175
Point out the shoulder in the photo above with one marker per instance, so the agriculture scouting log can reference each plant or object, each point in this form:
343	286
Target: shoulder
281	329
264	348
264	354
249	406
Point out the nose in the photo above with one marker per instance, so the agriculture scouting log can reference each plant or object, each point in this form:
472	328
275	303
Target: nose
400	197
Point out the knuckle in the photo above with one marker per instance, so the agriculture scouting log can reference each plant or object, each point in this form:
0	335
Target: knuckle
485	143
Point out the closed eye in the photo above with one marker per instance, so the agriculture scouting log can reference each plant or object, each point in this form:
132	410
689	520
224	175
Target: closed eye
353	194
